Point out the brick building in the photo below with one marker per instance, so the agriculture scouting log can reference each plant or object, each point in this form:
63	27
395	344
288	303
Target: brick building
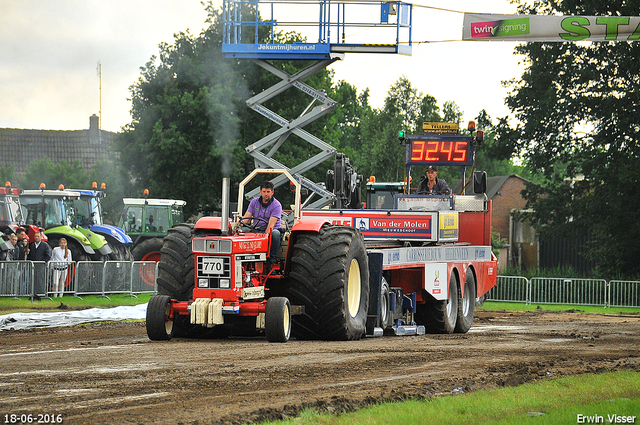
505	193
20	146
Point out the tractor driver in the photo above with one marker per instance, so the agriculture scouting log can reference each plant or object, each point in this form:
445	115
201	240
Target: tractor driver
269	210
432	185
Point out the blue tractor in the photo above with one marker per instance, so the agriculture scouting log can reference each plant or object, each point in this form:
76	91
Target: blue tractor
90	216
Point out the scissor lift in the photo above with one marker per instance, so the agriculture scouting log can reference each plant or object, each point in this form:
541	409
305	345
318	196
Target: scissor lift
247	36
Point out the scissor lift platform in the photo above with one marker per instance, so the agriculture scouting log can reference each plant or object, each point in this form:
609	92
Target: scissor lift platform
340	24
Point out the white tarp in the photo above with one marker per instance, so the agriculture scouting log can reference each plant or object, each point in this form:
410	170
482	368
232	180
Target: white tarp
69	318
489	27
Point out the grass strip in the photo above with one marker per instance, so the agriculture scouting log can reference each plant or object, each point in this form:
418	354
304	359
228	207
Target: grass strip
602	397
508	306
25	305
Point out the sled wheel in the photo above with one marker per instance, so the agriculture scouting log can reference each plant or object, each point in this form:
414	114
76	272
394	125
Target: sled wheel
159	326
440	316
467	304
278	320
386	320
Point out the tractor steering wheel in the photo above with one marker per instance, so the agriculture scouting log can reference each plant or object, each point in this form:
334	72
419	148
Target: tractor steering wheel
254	222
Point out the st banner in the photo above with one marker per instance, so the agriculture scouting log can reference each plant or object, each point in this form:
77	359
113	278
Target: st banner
488	27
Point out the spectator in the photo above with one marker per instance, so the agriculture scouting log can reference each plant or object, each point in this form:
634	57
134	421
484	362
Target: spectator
60	256
15	253
23	244
151	227
6	251
38	250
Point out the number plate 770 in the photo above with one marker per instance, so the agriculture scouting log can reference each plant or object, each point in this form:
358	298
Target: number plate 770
212	265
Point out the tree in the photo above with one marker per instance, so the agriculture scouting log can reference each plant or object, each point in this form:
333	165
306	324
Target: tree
405	108
577	110
191	124
52	175
6	173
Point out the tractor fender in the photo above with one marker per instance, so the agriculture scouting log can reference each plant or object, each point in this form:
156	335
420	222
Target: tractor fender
210	223
109	231
67	232
97	241
309	225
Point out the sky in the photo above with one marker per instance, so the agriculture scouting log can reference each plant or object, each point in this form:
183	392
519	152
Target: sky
50	52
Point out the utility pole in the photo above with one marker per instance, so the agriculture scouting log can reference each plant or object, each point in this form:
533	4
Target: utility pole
99	69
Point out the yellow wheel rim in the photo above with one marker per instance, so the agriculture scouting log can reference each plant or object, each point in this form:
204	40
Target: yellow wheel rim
354	288
285	323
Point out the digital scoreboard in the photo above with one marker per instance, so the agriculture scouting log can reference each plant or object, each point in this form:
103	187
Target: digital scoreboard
440	150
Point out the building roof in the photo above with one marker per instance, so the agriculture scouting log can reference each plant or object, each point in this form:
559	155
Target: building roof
21	146
493	184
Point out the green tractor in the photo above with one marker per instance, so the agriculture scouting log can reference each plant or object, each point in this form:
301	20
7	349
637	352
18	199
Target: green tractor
147	222
51	210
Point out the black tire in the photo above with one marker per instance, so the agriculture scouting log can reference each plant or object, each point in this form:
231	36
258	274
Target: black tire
125	253
440	316
480	300
277	325
330	277
176	266
466	304
159	327
147	250
386	315
116	254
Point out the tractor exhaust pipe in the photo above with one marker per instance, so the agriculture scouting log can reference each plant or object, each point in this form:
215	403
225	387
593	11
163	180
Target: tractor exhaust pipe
226	184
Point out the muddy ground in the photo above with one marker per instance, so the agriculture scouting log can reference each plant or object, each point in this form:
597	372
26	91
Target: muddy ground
111	373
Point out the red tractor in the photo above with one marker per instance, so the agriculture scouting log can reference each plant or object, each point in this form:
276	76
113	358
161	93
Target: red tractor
210	280
11	217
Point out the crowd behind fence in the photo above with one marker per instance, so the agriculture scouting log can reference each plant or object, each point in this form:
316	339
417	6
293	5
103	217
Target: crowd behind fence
572	291
39	279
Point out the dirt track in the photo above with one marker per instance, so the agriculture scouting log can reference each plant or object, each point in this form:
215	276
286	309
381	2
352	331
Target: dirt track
111	373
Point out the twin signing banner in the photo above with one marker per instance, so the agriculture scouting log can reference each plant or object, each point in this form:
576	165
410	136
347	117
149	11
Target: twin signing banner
550	28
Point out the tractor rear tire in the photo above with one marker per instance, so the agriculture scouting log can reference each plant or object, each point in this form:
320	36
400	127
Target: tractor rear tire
159	327
440	316
277	325
467	304
148	250
176	266
330	277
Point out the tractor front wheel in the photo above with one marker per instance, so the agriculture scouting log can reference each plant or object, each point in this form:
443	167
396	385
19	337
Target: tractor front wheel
277	325
159	326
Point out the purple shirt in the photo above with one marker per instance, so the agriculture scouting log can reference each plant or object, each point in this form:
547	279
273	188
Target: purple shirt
274	209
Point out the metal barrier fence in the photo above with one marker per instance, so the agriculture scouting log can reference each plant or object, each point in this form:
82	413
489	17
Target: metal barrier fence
34	278
572	291
37	278
568	291
624	293
510	289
